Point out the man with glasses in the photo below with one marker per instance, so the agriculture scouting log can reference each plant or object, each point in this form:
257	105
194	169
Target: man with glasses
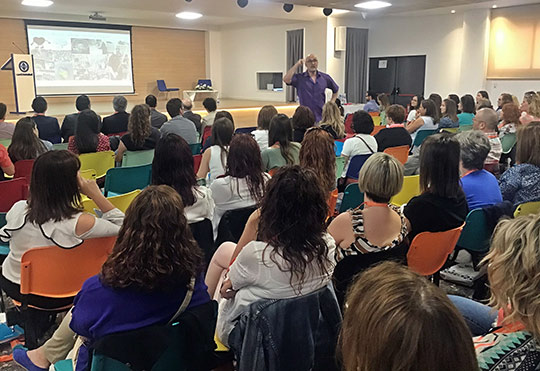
311	85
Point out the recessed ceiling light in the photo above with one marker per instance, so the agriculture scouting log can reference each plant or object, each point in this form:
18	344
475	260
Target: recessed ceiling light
41	3
494	6
189	15
373	5
453	11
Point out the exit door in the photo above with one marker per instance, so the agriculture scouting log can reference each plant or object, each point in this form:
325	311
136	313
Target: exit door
399	77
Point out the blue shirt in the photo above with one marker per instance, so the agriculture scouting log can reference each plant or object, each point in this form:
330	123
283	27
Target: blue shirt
48	128
312	94
100	310
481	189
371	106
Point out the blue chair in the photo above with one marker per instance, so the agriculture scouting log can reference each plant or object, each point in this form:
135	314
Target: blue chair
355	165
208	82
245	130
121	180
163	87
338	147
196	148
352	198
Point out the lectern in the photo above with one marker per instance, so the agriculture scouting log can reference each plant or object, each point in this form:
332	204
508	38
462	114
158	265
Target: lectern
24	83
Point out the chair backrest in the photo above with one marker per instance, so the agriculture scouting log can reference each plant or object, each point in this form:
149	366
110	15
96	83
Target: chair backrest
60	146
377	122
352	198
355	164
508	142
451	130
88	174
23	169
59	273
332	201
232	223
206	133
196	162
464	128
476	234
247	130
421	135
161	85
410	189
136	158
401	153
127	179
12	191
121	202
196	148
430	250
99	161
3	221
374	114
527	208
203	233
340	165
208	82
338	147
348	124
377	128
5	142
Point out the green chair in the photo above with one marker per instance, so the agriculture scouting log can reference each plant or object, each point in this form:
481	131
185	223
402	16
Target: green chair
527	208
4	247
5	142
421	135
464	128
136	158
340	165
476	234
126	179
195	148
352	198
59	146
508	142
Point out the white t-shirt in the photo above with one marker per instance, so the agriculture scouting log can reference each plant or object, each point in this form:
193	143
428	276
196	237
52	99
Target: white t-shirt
428	125
411	116
203	208
217	167
356	146
256	280
261	136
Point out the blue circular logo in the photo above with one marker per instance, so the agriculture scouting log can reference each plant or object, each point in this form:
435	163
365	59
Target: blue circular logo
23	66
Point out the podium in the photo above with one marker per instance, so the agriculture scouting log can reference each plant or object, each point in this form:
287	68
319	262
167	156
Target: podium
24	83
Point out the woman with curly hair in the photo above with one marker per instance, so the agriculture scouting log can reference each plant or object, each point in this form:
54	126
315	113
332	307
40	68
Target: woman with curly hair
510	119
317	153
141	135
332	121
154	264
530	108
291	256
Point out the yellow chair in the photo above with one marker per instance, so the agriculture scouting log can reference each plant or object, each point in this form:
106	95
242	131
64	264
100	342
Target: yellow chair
411	188
451	130
376	120
121	202
220	346
527	208
99	161
88	174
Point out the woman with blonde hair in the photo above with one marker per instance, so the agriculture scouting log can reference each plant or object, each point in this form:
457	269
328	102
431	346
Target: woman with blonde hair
141	134
530	108
397	320
317	153
332	121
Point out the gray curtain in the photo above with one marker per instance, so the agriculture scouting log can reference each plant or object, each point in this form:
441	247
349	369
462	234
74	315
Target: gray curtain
356	64
295	49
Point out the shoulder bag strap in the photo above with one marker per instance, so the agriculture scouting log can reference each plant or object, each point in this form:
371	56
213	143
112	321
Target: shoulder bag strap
367	145
185	302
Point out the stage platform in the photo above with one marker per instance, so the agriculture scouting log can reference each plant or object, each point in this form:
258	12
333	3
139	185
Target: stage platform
244	112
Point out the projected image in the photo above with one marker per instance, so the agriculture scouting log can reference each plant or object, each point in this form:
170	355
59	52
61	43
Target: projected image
80	60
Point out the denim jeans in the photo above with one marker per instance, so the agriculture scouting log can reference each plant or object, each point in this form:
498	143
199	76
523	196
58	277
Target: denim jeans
479	317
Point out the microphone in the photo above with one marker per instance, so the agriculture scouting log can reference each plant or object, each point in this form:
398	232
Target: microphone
17	46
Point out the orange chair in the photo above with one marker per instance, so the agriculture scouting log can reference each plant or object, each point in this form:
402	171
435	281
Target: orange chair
332	201
272	171
430	250
23	169
374	114
12	191
401	153
377	128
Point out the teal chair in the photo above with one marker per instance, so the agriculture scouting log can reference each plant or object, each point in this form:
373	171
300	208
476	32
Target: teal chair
136	158
4	247
121	180
421	135
196	148
508	142
352	198
476	234
465	128
340	165
59	146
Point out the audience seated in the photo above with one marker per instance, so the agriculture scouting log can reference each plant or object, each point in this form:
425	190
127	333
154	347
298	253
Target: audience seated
282	150
48	127
243	182
362	143
437	99
52	216
513	270
503	99
480	186
116	123
510	119
483	103
302	120
371	102
456	100
482	94
210	105
317	153
70	121
187	106
6	129
178	124
449	114
442	204
155	264
332	121
466	106
6	165
25	144
384	103
530	108
413	107
395	133
374	231
173	166
214	159
412	325
157	119
427	118
289	258
486	121
141	135
519	184
219	114
88	138
263	123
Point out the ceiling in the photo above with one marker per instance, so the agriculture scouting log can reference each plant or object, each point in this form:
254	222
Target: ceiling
223	13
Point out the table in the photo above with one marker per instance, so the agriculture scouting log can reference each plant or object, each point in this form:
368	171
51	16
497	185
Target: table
193	94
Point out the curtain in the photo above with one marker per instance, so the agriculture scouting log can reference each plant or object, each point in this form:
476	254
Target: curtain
295	51
356	64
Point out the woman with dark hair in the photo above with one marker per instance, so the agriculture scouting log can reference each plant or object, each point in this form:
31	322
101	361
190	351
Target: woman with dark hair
413	107
427	119
214	159
282	150
449	114
467	108
243	182
302	120
482	94
384	103
317	153
209	142
141	134
173	166
154	265
437	99
442	204
53	216
88	138
292	255
25	143
362	143
455	98
263	124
